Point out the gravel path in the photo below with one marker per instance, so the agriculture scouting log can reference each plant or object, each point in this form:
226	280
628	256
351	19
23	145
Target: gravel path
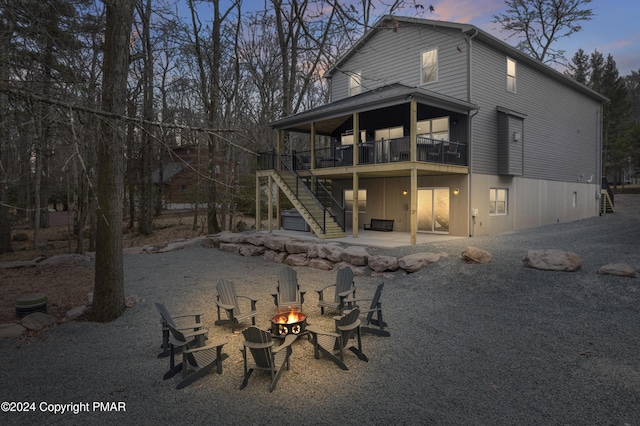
496	344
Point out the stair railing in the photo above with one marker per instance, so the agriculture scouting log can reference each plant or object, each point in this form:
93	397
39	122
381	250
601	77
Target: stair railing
300	185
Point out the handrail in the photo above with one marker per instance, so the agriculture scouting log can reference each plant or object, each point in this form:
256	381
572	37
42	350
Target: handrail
301	185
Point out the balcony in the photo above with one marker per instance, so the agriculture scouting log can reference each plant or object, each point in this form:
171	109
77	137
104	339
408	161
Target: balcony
378	152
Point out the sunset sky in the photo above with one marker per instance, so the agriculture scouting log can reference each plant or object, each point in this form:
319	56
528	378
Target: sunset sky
614	29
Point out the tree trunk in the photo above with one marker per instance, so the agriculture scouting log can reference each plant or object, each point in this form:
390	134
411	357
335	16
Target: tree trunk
108	297
7	25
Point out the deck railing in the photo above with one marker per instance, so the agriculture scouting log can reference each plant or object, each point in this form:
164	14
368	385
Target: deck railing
379	152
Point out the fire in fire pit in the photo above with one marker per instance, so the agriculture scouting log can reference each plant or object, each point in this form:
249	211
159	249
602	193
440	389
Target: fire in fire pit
288	322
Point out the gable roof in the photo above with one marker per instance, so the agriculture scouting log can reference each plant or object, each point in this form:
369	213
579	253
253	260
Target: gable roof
394	23
335	113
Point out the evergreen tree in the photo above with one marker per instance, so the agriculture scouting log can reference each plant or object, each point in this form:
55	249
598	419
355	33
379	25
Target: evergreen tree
579	68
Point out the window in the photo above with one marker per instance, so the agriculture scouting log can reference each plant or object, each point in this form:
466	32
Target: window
347	137
497	201
362	200
429	66
435	128
511	75
355	83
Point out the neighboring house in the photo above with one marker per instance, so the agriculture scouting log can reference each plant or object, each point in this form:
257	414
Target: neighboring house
456	132
184	176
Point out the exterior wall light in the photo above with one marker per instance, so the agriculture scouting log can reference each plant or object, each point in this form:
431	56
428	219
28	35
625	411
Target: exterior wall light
405	192
456	191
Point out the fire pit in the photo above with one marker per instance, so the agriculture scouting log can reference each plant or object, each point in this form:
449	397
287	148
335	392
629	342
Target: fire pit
288	322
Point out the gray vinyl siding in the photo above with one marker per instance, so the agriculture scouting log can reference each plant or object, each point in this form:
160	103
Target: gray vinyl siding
395	57
560	132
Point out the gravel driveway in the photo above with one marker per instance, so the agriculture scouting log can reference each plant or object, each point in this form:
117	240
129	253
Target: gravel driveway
496	344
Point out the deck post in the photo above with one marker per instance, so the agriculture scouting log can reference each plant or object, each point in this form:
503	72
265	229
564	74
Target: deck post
414	204
354	220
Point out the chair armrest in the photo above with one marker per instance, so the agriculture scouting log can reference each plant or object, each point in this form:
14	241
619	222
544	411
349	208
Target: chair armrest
348	292
214	345
325	287
195	333
351	326
315	330
196	315
256	345
223	306
250	298
287	342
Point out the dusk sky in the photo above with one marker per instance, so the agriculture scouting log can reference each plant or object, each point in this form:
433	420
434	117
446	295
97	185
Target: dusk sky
613	29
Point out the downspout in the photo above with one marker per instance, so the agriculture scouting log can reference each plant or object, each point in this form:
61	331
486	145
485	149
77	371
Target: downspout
471	221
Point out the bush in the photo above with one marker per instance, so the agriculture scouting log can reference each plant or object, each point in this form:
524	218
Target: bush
20	237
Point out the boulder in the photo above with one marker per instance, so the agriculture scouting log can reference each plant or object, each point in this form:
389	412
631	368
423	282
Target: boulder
131	300
11	330
297	260
257	239
230	247
357	270
355	255
380	263
276	243
618	269
313	250
76	312
275	256
37	321
552	260
417	261
295	247
476	255
230	237
322	264
251	250
332	252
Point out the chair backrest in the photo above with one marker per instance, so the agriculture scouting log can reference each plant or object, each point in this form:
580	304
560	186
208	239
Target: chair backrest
347	319
227	294
177	334
288	284
376	297
259	343
164	313
344	281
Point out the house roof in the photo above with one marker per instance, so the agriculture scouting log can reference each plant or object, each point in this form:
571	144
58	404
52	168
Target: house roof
169	171
335	113
395	22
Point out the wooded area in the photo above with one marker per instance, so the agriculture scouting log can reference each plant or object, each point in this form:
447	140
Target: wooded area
95	95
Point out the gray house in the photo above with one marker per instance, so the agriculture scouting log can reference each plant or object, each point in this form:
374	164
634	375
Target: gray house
441	128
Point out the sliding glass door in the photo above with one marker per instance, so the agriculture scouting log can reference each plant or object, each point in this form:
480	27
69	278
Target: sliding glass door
433	210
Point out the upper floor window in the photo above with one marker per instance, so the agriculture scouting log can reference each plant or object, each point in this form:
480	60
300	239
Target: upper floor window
429	68
498	201
511	75
355	83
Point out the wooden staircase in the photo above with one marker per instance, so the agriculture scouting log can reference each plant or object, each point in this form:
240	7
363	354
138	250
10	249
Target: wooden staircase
307	205
606	203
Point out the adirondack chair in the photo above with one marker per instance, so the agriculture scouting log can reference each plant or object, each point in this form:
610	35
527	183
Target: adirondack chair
333	344
196	360
288	292
227	299
265	356
375	309
166	318
343	287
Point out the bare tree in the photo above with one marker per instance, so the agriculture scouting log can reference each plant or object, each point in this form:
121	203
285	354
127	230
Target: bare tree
7	25
108	299
539	24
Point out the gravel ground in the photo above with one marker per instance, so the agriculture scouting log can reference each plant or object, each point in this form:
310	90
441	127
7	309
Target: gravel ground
496	344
